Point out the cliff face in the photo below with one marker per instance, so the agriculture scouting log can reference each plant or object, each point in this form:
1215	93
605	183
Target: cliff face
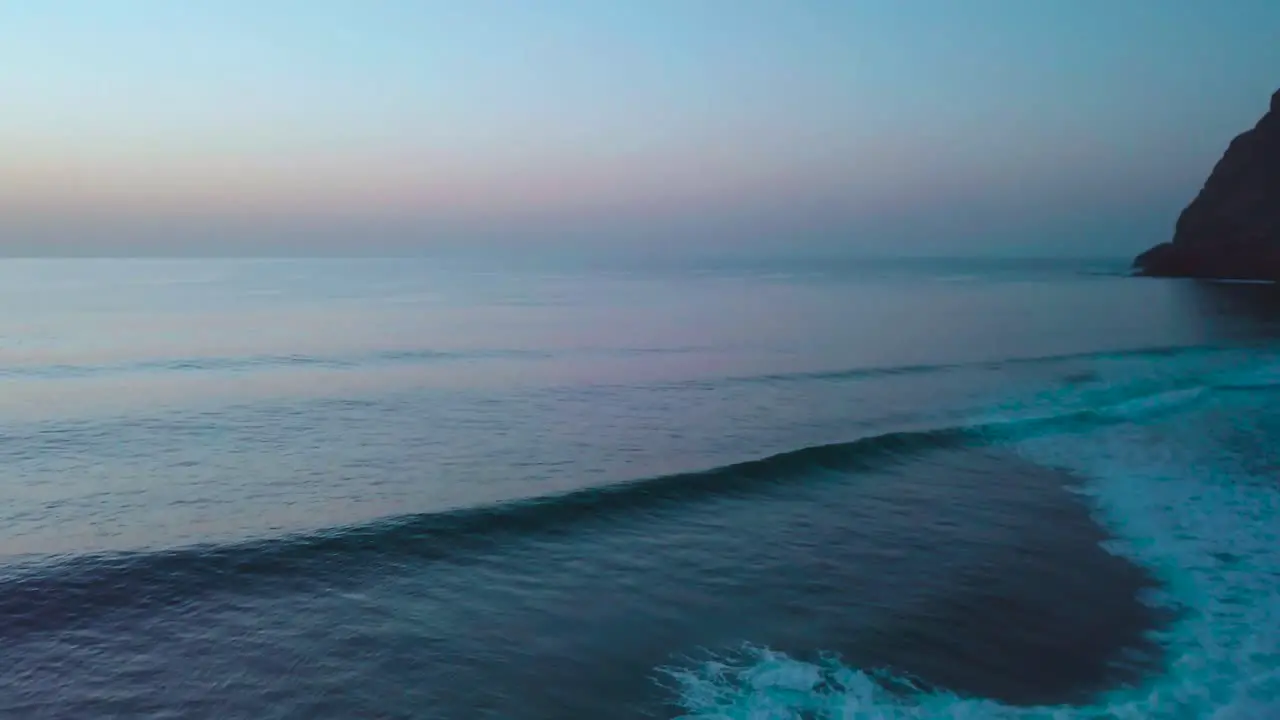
1232	228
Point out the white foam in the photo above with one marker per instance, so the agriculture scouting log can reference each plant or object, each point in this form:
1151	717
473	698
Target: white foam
770	685
1208	530
1211	534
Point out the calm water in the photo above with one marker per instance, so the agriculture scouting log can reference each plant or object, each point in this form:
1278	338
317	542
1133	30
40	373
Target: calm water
437	489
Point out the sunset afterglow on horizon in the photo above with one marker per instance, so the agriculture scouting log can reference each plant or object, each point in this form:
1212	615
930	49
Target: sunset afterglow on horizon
540	116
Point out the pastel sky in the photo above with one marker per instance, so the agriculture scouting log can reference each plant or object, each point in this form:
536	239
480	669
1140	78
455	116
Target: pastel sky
918	126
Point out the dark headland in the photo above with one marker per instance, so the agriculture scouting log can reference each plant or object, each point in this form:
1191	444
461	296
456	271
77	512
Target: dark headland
1231	230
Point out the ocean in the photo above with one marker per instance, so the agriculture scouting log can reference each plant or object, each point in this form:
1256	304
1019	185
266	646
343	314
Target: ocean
463	488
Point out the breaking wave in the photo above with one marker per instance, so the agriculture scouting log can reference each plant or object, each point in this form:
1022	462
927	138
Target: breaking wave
1206	527
49	592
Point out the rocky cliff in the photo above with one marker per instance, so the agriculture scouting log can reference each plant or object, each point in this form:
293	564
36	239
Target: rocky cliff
1232	228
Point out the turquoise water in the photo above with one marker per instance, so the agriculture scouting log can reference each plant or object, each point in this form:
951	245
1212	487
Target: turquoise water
438	488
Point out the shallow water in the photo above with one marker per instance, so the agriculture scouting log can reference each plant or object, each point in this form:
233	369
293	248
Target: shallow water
439	488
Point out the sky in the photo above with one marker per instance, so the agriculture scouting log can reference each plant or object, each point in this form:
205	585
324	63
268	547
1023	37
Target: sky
861	126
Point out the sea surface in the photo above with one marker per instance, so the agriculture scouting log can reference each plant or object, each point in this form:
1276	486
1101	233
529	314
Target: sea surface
456	488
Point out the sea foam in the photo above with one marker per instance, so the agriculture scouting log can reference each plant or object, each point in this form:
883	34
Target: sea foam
1177	503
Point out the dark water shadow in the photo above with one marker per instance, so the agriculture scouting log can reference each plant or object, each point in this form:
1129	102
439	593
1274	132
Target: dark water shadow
1248	311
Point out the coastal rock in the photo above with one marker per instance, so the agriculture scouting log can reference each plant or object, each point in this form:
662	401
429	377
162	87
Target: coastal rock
1231	230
